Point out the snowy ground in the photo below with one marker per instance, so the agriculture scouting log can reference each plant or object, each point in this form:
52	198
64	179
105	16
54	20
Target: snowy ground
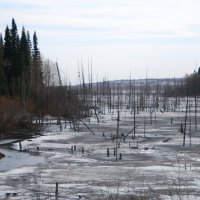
160	168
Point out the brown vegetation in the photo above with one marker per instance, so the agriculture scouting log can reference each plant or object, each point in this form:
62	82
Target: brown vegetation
13	115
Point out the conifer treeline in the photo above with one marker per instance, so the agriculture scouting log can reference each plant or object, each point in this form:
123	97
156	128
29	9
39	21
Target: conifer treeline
29	85
20	63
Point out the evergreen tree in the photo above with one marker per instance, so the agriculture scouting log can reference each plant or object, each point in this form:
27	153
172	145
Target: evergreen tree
37	75
29	45
15	58
36	52
25	62
11	58
14	35
37	63
15	48
7	47
1	39
25	52
7	60
3	80
21	62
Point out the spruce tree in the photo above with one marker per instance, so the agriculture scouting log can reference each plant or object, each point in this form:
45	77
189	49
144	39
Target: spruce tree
11	58
15	48
37	63
25	64
16	69
1	40
14	35
7	60
24	51
37	75
29	46
3	79
36	52
7	47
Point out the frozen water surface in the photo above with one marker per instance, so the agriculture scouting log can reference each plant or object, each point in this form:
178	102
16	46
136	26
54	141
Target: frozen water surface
159	165
15	159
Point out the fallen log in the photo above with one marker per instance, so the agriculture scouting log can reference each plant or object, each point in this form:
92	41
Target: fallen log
87	127
166	140
125	136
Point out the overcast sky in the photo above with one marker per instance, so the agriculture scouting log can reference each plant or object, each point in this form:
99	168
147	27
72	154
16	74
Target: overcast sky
154	38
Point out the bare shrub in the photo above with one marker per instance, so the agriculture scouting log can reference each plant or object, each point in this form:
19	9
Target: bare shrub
13	116
10	112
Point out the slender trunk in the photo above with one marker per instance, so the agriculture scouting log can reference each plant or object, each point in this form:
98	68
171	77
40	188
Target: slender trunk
195	101
117	134
134	111
190	124
185	124
144	125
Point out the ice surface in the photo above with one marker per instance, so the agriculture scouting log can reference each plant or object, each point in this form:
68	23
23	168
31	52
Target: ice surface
158	165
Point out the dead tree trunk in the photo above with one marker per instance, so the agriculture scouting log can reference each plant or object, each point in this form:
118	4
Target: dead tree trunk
117	134
186	113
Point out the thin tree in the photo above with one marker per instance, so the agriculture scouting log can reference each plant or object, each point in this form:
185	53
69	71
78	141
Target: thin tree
186	114
117	134
37	74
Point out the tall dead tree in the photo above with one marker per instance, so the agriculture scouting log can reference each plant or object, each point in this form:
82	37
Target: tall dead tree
117	135
134	111
186	114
